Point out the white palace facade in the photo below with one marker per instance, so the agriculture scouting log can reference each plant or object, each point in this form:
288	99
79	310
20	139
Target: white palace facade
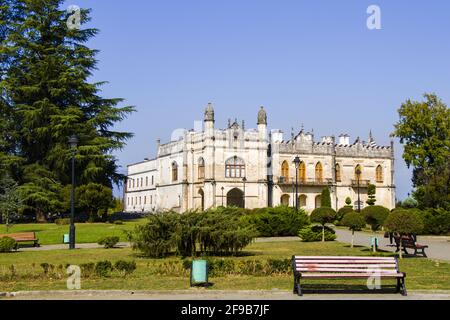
254	168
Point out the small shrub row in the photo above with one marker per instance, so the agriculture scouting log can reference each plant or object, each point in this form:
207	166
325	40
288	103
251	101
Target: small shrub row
109	242
7	244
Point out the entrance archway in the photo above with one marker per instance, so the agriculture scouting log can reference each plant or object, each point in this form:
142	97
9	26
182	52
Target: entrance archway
235	198
285	198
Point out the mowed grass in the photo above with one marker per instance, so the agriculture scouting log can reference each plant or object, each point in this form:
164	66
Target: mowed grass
421	273
85	232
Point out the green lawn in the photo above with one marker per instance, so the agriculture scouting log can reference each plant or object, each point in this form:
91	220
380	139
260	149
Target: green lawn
421	273
85	232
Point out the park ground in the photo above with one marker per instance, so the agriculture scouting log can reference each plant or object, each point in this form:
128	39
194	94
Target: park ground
431	276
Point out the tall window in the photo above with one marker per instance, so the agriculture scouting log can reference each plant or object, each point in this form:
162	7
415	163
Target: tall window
302	171
379	174
146	181
285	170
338	172
142	182
235	168
201	168
174	172
319	172
153	180
358	168
133	183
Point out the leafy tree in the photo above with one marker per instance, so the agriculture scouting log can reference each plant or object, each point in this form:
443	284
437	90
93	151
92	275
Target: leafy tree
93	198
410	203
46	96
326	198
355	222
10	201
323	216
342	212
424	129
375	216
403	222
371	191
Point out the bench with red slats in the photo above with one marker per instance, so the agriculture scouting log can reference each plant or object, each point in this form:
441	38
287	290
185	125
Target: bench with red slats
409	243
23	237
312	267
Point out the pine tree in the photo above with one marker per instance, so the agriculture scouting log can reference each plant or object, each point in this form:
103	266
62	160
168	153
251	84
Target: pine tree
50	98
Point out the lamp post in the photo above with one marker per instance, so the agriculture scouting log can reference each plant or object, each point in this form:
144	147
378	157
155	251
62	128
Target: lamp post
358	177
297	162
73	142
244	180
222	194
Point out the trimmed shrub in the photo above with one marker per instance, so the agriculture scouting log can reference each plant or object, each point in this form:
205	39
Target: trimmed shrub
326	198
109	242
118	222
314	234
375	216
355	222
87	269
277	222
341	213
323	216
7	244
125	267
103	268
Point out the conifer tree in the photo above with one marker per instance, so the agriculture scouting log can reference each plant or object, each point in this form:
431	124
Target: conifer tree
49	98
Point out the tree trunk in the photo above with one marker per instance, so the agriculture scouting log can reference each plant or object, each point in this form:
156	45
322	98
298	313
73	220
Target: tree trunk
401	248
375	243
323	233
353	238
7	224
40	217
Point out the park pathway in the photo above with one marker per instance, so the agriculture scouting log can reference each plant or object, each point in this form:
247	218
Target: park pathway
439	247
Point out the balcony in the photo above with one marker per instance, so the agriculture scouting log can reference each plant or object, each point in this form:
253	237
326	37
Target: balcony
362	183
305	182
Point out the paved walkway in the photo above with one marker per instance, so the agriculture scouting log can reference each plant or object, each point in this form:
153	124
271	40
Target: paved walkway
202	294
439	247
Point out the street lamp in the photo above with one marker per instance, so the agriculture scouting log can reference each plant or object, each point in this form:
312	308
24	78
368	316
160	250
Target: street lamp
244	180
297	162
73	143
358	176
222	195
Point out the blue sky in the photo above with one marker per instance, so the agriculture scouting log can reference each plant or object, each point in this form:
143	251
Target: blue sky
308	62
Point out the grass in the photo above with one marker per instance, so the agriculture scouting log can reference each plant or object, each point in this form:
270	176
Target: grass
422	274
85	232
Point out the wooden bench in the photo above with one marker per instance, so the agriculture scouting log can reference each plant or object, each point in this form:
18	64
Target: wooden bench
409	242
23	237
346	268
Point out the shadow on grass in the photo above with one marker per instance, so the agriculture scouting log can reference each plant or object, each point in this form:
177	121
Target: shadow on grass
345	289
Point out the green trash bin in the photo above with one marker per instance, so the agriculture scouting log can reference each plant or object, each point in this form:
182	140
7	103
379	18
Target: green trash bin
199	272
66	239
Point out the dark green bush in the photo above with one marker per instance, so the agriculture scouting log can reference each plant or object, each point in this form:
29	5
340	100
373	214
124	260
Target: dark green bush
314	234
103	268
277	222
341	213
7	244
118	222
375	216
125	267
109	242
436	221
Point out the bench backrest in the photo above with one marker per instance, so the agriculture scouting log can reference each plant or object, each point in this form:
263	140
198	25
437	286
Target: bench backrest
406	241
20	236
342	264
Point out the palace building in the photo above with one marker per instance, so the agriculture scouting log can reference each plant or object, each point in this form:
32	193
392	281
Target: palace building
254	168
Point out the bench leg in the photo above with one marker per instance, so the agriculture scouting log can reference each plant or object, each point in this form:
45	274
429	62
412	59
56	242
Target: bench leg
424	254
297	288
403	287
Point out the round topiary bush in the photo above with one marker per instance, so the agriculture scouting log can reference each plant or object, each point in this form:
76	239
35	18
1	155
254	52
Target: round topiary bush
375	216
109	242
7	244
323	216
341	213
354	221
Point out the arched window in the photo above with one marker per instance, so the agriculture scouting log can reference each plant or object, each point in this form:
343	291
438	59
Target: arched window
319	172
318	201
142	182
285	171
174	172
302	201
358	172
338	173
302	172
201	168
285	200
235	168
133	183
379	174
146	181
